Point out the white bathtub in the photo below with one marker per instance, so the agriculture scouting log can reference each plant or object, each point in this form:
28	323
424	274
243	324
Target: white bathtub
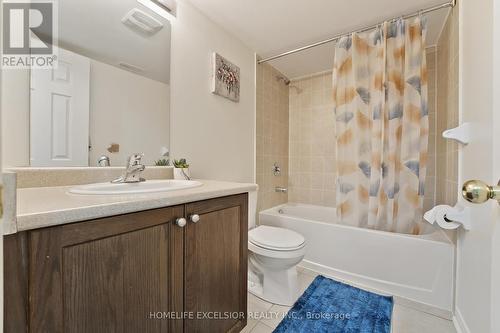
415	268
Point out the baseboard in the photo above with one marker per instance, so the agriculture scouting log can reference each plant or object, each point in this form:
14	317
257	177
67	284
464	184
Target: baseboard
423	307
459	322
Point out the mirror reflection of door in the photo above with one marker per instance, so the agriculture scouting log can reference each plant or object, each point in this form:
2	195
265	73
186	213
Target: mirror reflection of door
109	95
59	112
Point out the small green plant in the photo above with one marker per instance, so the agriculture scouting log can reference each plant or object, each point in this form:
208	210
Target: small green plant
162	162
182	163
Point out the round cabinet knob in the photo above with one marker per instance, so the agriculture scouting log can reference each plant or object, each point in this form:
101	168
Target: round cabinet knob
194	218
181	222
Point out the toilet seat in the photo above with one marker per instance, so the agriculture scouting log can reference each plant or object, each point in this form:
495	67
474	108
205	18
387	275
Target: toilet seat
275	239
276	254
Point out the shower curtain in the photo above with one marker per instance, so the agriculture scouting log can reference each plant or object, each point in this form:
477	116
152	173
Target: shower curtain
380	103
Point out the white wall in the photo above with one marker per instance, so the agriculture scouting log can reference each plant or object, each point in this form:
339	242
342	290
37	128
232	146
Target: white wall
15	97
127	109
216	135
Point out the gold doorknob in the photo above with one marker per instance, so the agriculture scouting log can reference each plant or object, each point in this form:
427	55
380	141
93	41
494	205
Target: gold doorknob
476	191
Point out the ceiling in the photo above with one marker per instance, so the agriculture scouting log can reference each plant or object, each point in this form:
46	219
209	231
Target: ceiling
94	29
273	26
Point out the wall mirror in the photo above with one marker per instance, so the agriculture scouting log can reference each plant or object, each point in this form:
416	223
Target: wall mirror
108	96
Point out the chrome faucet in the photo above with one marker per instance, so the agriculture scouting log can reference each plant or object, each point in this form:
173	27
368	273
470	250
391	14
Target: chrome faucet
133	170
103	161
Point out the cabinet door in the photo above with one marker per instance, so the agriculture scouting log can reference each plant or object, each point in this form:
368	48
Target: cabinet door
216	265
117	274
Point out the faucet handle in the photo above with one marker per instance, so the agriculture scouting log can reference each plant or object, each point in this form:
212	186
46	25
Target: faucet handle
132	170
135	159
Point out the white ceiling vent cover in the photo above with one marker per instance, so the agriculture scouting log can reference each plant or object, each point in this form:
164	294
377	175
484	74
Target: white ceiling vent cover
141	21
131	68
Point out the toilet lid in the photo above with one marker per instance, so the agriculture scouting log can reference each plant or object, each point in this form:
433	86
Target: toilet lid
275	238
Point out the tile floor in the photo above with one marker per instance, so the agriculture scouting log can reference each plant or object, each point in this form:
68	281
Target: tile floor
404	319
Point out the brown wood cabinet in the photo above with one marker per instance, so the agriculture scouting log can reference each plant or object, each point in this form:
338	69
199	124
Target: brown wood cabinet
138	272
216	264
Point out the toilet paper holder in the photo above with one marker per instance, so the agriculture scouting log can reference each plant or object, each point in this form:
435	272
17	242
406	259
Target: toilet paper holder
460	215
457	214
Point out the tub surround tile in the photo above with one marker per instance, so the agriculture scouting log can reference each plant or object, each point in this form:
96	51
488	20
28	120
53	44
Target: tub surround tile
48	206
310	130
312	140
272	136
430	182
447	112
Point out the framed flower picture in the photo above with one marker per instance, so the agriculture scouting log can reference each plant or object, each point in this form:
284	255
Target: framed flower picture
226	78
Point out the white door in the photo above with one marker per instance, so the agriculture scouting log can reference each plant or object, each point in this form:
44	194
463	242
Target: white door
478	255
59	113
495	290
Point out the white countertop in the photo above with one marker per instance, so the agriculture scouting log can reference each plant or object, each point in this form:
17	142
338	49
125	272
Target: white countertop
49	206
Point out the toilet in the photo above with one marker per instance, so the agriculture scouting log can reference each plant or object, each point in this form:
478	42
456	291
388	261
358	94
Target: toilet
273	256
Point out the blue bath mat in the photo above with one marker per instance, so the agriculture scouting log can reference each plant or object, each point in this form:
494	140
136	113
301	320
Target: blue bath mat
328	306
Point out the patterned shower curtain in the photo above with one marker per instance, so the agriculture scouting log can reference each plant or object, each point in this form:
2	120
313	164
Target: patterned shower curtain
380	98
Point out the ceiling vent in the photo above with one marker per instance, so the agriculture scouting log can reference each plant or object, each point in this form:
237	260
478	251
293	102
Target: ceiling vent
131	68
142	22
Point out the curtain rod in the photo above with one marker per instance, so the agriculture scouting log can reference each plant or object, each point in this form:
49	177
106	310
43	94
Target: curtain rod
451	4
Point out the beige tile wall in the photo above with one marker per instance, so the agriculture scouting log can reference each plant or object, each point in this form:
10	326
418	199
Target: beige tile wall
312	141
301	116
447	112
272	136
430	180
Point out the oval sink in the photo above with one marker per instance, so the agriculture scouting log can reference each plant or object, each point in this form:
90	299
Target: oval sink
149	186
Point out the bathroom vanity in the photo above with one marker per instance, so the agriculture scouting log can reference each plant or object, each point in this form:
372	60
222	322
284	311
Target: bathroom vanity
177	268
